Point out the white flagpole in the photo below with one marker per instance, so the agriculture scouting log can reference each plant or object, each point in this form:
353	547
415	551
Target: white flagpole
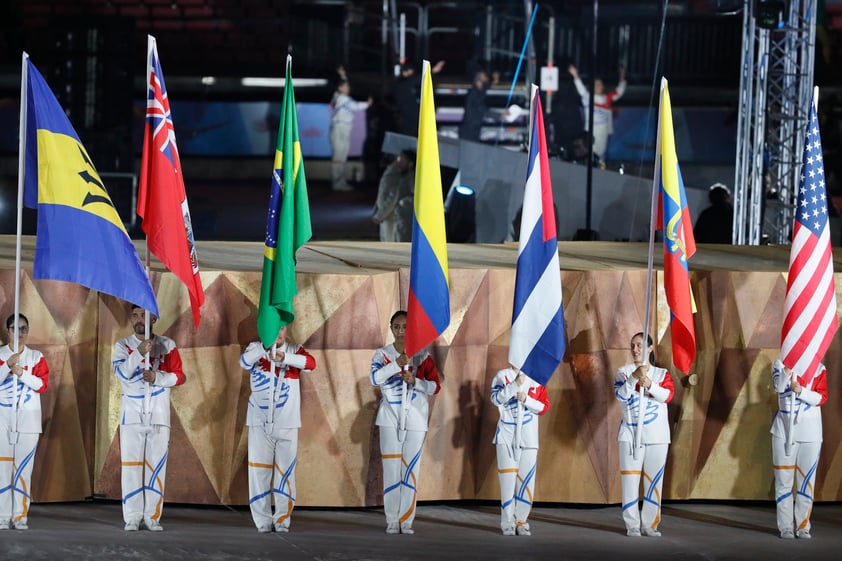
24	86
270	413
147	387
653	216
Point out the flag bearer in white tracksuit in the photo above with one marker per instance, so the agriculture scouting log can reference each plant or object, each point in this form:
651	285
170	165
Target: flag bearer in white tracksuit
649	461
799	402
145	419
405	386
520	401
273	430
23	378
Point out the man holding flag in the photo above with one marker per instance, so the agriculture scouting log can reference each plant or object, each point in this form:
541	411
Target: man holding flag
274	364
536	344
810	321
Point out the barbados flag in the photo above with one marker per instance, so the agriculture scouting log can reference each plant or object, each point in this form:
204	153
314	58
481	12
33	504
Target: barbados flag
679	243
536	344
428	309
81	238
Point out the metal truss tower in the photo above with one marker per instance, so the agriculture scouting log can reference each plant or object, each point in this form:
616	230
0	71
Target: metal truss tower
775	88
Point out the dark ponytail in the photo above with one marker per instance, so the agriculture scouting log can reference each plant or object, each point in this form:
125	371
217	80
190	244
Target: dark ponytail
649	343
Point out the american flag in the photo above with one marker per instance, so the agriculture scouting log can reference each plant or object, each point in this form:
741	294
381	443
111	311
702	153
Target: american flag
810	311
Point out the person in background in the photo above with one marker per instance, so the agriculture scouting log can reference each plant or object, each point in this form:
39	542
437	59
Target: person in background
147	370
24	375
342	107
520	401
603	107
476	106
649	461
407	93
397	182
716	222
273	419
405	383
796	446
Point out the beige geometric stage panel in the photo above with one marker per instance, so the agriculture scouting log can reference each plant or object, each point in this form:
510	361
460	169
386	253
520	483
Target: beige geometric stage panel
720	446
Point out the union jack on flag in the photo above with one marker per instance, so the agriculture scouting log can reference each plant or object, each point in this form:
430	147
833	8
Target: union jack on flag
810	318
158	114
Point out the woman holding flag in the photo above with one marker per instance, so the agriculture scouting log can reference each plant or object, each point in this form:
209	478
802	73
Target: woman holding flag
273	419
649	415
796	446
520	401
405	385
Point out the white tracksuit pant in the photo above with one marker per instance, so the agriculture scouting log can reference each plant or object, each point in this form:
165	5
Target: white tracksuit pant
798	467
650	465
517	484
340	145
271	455
16	462
401	469
143	452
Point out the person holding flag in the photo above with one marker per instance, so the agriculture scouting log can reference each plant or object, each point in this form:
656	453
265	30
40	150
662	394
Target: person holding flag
649	462
141	360
406	382
810	322
273	420
536	344
405	371
24	376
796	446
520	401
274	413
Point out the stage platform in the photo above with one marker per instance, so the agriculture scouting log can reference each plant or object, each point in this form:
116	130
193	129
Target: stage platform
720	450
691	532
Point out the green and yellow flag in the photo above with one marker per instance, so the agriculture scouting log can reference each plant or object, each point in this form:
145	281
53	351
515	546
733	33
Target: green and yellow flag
287	225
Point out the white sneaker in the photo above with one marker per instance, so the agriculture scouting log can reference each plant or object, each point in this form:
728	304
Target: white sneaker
523	530
4	524
153	525
281	528
508	530
787	534
393	528
651	532
264	528
132	526
22	525
633	532
407	529
803	534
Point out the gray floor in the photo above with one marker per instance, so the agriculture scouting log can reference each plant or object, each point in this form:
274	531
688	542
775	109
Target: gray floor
718	531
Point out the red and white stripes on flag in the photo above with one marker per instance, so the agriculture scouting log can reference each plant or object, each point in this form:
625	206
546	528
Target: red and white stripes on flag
810	311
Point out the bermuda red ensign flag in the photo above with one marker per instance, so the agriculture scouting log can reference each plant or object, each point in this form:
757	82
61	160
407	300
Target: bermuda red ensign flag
679	243
810	310
161	199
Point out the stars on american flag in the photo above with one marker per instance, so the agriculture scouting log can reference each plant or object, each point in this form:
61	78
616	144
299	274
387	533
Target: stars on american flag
812	197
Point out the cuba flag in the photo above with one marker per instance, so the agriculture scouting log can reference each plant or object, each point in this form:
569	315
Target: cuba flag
81	238
536	344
